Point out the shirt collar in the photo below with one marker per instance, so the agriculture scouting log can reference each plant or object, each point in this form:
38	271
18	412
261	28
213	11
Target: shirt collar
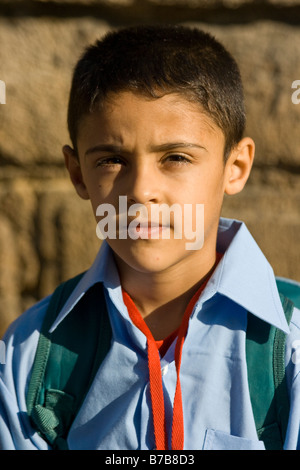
243	275
102	270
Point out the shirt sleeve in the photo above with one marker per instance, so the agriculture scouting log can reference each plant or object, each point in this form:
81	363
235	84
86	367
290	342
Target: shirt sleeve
20	342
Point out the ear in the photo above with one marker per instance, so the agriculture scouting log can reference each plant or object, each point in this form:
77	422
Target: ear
238	166
73	166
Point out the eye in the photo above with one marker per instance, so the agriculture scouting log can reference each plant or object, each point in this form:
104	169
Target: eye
177	159
109	162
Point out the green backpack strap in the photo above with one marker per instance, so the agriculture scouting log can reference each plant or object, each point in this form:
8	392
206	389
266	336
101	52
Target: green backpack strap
265	352
290	289
66	361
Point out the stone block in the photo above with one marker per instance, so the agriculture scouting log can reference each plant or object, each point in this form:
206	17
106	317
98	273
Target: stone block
10	276
269	205
37	57
268	56
73	2
187	3
67	236
18	206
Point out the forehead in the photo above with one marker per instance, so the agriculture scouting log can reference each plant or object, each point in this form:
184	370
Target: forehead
126	114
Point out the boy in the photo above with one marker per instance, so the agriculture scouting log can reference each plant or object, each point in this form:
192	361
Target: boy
156	117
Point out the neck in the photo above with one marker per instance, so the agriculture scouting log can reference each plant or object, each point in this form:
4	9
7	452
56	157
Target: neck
162	297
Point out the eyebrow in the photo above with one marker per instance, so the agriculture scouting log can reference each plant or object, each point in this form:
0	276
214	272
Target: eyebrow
112	148
175	145
104	148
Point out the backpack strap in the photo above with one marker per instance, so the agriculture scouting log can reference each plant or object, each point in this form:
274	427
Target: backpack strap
265	352
290	289
65	364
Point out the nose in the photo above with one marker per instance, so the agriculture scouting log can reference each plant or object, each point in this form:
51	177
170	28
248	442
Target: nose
143	184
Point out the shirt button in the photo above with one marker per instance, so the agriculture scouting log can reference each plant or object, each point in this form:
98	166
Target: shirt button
164	370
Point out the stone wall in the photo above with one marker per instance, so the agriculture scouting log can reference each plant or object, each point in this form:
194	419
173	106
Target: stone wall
46	231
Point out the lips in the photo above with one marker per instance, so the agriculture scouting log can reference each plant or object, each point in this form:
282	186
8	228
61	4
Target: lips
146	229
147	225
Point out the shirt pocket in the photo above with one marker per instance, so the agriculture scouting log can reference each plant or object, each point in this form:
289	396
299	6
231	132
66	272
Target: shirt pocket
219	440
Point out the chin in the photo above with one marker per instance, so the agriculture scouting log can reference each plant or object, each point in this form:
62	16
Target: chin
149	263
147	257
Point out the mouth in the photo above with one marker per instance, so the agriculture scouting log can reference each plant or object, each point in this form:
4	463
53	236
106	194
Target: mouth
145	230
149	230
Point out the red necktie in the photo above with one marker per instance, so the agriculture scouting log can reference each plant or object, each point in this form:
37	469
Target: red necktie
155	377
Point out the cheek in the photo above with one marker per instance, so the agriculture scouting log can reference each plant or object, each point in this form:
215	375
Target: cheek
205	187
99	191
209	191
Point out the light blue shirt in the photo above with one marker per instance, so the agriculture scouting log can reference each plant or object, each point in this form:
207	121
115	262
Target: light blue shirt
116	413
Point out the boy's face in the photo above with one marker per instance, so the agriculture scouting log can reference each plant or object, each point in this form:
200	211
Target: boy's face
158	151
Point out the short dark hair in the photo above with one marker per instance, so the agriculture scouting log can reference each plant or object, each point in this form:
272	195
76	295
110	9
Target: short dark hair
156	60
